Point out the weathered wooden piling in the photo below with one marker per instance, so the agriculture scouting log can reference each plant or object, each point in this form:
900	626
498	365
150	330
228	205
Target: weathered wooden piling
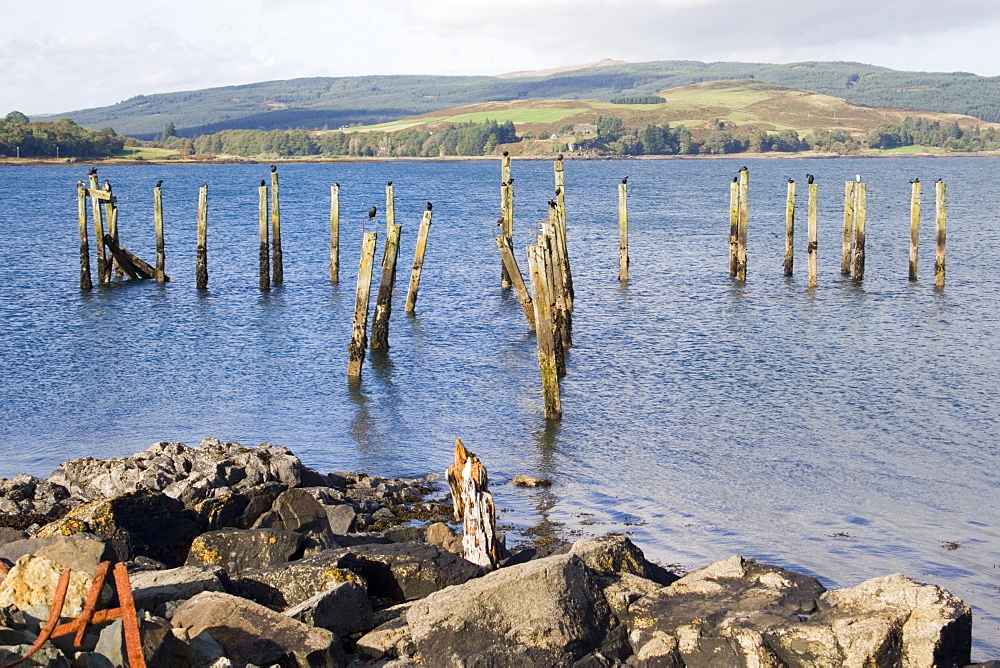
860	223
623	230
103	269
390	209
504	244
846	255
744	220
474	507
941	225
335	233
506	221
418	259
734	223
383	302
561	298
131	263
81	210
560	180
789	263
914	226
122	260
161	251
277	258
264	254
201	264
813	247
359	335
111	216
544	333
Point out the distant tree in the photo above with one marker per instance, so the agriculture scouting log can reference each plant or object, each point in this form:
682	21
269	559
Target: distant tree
16	118
609	129
169	130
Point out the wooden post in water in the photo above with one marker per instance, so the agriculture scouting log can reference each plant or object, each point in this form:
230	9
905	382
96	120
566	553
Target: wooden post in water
504	244
277	259
359	335
111	214
734	223
201	265
390	210
914	226
103	269
383	303
860	220
506	211
544	334
560	297
81	211
790	228
623	230
813	248
418	259
264	255
335	233
846	254
473	506
560	179
744	220
161	251
941	224
502	223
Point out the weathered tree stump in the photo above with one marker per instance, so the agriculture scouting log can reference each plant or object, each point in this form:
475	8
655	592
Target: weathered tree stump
473	505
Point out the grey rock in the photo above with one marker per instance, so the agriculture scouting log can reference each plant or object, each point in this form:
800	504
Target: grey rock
152	590
8	535
615	554
298	510
341	518
252	634
237	509
390	640
91	660
160	646
441	534
404	534
46	657
81	552
343	609
235	550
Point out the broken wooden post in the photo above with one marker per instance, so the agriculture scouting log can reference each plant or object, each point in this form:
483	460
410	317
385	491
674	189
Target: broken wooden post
734	223
846	254
81	210
744	220
390	210
122	260
623	259
383	303
941	224
359	335
335	233
277	258
103	270
473	506
860	217
790	228
813	248
418	259
111	215
201	264
161	252
914	226
506	221
263	256
544	333
560	179
557	266
504	244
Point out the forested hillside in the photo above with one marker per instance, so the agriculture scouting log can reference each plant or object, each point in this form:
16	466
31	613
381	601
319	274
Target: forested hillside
334	102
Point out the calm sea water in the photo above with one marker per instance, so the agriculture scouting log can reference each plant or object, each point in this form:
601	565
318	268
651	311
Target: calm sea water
847	432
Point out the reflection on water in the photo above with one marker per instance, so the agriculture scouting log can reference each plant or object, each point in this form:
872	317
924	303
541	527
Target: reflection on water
848	430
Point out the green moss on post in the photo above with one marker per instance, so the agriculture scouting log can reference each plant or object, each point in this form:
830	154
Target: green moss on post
103	268
734	223
359	334
383	303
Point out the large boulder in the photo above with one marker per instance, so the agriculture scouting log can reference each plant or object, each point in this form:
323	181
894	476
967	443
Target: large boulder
546	612
25	500
31	584
252	634
141	523
153	590
239	510
236	550
298	510
344	609
615	555
80	552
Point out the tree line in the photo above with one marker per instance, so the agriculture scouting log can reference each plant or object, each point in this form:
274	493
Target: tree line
50	139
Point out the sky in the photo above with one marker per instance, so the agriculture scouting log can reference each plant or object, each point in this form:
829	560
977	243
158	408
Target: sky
59	56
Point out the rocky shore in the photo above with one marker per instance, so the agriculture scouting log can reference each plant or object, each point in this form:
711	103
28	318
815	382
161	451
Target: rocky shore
243	556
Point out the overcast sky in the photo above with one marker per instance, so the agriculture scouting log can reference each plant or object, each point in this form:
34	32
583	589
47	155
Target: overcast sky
57	55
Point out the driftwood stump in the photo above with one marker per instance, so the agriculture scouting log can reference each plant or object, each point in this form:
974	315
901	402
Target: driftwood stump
473	504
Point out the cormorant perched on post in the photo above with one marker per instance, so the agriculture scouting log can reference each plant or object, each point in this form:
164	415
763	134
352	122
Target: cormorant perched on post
625	180
505	154
159	183
274	168
552	204
93	170
107	185
917	180
559	157
389	184
857	178
79	184
736	179
937	180
336	184
809	178
429	206
262	183
558	191
372	211
500	221
744	169
791	180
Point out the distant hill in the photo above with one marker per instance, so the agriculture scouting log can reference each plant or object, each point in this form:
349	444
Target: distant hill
330	102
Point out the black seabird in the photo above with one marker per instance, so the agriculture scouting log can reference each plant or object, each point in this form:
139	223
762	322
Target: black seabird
809	178
159	183
429	206
274	168
372	211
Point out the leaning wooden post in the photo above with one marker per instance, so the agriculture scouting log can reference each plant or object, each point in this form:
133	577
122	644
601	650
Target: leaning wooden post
860	218
383	303
510	264
335	233
201	265
473	506
544	334
103	269
790	228
264	261
359	335
734	223
390	209
111	215
81	211
506	210
914	226
813	248
418	260
278	265
161	252
941	220
623	230
744	220
846	255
